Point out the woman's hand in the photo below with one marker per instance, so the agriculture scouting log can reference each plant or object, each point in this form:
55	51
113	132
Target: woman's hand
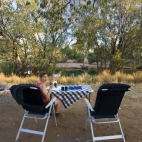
51	86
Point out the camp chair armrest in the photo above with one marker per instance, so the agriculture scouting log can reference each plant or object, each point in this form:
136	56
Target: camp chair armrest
50	103
88	104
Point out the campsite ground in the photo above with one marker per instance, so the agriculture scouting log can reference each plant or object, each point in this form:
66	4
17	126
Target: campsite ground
71	121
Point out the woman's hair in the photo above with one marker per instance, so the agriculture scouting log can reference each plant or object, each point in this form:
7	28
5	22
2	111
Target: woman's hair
42	73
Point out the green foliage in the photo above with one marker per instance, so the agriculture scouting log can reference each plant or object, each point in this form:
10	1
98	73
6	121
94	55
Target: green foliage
91	58
133	68
41	32
7	67
63	72
71	53
51	69
79	58
117	62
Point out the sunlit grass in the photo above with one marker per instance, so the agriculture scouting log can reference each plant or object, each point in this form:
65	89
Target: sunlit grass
120	77
137	77
104	77
17	80
2	78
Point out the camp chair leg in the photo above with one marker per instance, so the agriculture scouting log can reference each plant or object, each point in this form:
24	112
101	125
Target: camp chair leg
45	128
109	123
121	131
54	116
87	119
42	133
108	100
92	130
20	126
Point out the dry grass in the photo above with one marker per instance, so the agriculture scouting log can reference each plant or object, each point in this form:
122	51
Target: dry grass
118	77
73	80
17	80
104	77
137	77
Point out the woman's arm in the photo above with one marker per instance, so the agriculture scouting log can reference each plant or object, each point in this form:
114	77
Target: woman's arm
45	93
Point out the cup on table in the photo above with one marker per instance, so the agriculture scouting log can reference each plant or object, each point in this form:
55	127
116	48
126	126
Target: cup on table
63	88
66	88
55	84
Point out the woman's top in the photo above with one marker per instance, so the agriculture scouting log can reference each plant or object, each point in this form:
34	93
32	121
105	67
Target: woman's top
45	101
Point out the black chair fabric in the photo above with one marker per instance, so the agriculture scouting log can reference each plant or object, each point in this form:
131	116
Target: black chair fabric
108	101
17	91
30	97
114	86
32	100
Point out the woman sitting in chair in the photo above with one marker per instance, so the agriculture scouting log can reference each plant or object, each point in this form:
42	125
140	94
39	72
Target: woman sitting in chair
46	94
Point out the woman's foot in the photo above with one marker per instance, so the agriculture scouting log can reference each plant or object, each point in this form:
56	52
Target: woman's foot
57	113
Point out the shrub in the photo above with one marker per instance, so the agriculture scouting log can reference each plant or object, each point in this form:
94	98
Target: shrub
119	77
7	67
117	62
137	77
104	77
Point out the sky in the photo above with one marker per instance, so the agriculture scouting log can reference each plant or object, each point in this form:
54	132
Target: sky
14	4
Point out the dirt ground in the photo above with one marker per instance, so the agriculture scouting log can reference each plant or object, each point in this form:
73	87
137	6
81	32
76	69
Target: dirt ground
71	121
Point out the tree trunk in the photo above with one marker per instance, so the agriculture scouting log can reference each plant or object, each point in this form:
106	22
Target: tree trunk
17	60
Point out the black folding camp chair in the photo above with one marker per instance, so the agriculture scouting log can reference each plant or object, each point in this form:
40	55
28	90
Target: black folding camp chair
34	108
108	100
17	91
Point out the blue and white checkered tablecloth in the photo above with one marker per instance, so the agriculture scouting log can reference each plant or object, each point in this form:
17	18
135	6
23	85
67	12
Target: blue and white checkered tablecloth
71	96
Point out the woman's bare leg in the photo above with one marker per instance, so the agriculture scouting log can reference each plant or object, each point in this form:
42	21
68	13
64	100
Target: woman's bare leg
56	106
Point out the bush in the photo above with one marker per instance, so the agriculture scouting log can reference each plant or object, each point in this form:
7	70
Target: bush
7	67
91	58
117	62
79	59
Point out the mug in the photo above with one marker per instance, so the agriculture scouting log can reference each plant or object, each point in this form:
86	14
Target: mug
55	84
66	88
63	88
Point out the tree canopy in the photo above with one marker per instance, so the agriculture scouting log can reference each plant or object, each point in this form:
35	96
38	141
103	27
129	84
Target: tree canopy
40	33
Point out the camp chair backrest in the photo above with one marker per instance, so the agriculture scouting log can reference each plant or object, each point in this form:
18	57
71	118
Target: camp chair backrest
17	91
35	109
32	100
108	99
12	88
32	96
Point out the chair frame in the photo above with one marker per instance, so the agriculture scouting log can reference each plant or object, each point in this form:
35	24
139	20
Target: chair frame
91	118
37	116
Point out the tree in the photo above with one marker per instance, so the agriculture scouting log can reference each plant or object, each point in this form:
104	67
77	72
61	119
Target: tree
121	19
84	28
